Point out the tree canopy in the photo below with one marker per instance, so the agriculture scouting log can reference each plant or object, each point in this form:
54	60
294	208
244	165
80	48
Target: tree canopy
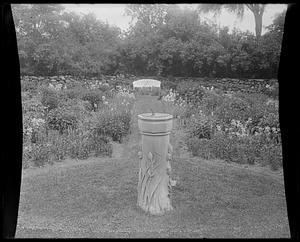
163	40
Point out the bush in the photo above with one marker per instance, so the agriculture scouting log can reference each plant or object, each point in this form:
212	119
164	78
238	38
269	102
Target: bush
28	86
242	150
61	119
59	145
272	90
79	145
201	126
84	140
230	149
74	93
39	154
191	92
104	88
94	97
270	117
211	101
101	145
233	108
166	85
114	124
74	84
26	155
31	109
200	147
49	98
257	104
272	155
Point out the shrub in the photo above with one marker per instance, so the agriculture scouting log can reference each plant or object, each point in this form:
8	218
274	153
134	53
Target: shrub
272	155
79	145
191	92
28	86
74	84
200	147
114	124
61	119
94	97
39	154
101	145
270	117
104	88
59	145
230	149
257	104
168	85
31	109
272	89
74	93
67	115
211	101
201	126
26	155
233	108
49	97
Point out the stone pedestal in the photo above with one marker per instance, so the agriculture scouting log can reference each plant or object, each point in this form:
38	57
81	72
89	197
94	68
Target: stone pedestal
154	182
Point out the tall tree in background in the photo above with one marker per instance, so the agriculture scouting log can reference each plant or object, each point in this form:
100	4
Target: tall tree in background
52	41
38	30
163	39
238	9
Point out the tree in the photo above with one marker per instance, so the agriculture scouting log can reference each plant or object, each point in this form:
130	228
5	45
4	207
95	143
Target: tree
182	24
52	41
38	28
277	27
151	15
141	46
271	44
238	9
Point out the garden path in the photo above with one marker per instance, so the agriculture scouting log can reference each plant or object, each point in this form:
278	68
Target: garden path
144	104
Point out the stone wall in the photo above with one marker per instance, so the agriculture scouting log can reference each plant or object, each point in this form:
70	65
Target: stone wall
226	84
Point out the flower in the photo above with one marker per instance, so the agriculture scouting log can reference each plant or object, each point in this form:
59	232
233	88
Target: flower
37	121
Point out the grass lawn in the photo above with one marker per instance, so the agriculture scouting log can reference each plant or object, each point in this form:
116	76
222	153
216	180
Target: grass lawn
96	198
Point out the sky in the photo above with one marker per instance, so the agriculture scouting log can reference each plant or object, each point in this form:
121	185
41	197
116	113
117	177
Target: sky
114	14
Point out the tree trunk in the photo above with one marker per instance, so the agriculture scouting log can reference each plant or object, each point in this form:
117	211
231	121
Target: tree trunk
258	24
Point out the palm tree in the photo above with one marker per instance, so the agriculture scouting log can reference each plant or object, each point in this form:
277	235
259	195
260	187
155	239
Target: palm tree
238	9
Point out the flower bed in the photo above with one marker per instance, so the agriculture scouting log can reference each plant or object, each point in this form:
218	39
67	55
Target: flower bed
237	127
76	121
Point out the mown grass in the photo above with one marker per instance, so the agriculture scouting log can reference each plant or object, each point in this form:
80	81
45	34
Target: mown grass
97	199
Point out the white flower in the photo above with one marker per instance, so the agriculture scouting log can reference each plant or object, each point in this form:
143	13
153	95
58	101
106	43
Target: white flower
28	130
37	121
29	148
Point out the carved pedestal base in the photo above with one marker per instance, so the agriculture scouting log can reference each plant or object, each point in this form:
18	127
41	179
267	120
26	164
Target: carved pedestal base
154	181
